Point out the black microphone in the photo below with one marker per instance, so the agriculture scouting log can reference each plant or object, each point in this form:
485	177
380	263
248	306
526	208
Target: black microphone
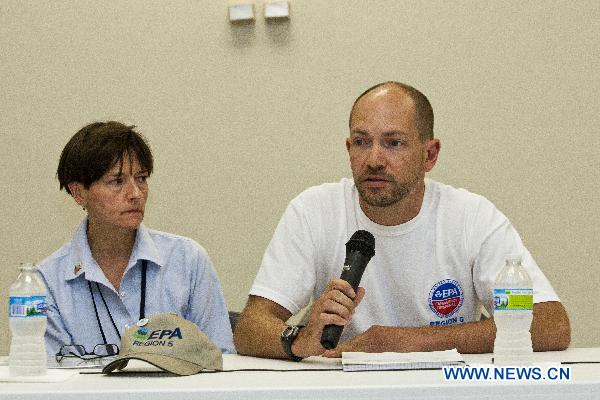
359	250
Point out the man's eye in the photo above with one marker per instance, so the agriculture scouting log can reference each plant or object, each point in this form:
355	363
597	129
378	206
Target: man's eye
117	181
394	143
142	179
358	142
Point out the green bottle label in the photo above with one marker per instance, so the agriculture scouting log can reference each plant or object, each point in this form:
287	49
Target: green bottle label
513	299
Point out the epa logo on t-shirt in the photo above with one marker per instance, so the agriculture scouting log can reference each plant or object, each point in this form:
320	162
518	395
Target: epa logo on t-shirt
445	298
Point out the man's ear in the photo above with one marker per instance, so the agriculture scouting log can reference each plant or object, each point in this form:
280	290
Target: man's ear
432	149
77	191
348	144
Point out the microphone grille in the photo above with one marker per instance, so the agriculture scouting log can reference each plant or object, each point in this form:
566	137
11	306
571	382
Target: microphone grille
362	241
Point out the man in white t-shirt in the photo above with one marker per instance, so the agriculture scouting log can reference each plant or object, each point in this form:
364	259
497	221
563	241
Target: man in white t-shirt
438	250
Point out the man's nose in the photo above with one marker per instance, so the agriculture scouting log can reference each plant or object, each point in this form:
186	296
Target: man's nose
376	157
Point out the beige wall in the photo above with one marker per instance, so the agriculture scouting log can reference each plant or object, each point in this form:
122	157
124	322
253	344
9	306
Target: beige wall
242	118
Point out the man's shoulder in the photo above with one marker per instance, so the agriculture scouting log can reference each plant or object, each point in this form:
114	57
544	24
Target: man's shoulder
326	193
454	202
453	195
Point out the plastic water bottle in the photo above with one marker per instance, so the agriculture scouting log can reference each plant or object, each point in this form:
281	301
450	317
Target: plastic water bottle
513	313
27	319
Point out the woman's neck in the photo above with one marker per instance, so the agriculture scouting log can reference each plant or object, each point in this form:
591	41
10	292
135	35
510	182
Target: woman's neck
111	248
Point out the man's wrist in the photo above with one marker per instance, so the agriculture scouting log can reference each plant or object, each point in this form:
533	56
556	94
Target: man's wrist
288	336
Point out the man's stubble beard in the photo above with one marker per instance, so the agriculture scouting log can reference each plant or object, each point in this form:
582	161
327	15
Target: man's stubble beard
387	198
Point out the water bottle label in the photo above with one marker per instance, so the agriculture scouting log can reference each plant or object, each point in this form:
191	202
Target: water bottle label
29	306
513	299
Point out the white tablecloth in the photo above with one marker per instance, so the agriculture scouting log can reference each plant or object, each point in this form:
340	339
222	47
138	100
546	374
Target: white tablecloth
294	384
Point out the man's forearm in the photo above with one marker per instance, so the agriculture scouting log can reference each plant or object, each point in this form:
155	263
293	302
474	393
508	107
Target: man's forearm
550	331
473	337
258	333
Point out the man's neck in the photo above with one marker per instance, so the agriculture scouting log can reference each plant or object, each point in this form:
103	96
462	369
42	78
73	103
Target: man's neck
398	213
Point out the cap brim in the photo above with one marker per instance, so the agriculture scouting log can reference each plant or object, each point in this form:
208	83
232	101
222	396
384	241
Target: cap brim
169	364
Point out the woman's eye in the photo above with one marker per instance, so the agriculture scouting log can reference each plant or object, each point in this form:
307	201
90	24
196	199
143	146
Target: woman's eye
117	181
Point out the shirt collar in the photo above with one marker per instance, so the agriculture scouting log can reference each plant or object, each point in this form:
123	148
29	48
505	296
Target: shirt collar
145	248
82	261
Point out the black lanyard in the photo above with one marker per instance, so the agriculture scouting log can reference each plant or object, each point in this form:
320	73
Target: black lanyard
142	302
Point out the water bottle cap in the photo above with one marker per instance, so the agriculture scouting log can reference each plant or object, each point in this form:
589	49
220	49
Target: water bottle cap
513	258
27	266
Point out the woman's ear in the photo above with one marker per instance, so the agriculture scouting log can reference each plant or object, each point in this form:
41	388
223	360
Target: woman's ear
78	192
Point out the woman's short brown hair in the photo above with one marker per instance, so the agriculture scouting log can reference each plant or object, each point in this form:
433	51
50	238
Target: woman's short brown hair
96	148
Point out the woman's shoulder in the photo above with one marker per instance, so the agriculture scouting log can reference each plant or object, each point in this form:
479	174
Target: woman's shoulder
53	265
167	240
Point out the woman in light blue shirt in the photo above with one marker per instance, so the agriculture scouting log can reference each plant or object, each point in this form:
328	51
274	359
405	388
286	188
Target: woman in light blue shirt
115	271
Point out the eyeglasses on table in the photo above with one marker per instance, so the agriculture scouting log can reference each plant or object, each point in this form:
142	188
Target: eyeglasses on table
79	351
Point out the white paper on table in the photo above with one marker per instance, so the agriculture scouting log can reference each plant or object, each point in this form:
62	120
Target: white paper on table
80	363
52	375
357	361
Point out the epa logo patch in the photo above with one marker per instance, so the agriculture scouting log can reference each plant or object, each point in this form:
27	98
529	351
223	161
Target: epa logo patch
445	298
141	333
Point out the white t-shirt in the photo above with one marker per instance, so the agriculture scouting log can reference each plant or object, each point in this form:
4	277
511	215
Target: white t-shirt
436	269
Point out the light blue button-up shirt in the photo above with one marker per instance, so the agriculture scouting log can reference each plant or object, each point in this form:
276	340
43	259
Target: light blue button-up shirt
180	278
